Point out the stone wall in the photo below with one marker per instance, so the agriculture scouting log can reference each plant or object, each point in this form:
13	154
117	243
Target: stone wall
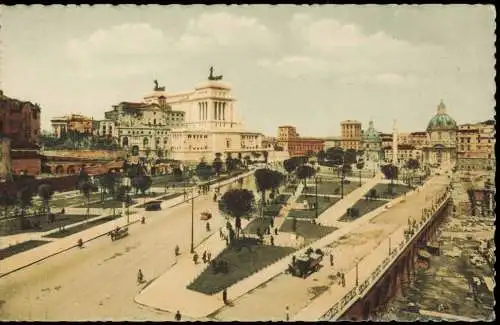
31	164
88	154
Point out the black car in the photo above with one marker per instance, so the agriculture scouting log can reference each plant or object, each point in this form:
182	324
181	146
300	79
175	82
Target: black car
153	206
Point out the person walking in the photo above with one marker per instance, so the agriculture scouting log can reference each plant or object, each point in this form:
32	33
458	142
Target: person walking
276	231
272	240
195	258
209	257
178	316
204	257
287	313
177	250
215	197
224	296
331	259
208	226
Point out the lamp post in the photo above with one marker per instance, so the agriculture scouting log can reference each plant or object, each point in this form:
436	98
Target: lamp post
126	184
389	245
357	278
316	205
192	223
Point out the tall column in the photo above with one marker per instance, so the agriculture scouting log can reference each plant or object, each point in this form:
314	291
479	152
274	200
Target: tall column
224	111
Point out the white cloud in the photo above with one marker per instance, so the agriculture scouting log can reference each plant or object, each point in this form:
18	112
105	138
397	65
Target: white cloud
295	65
222	30
350	53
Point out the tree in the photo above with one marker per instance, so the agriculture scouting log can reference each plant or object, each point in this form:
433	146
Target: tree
263	182
45	192
142	183
24	197
108	183
336	155
372	194
217	165
237	203
82	178
412	164
390	172
360	165
321	155
304	172
290	165
350	156
6	201
266	156
86	189
203	170
177	173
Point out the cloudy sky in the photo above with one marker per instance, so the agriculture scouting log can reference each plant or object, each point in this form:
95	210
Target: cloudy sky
309	66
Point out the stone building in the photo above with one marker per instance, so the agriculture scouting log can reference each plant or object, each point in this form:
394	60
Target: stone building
20	122
350	133
104	128
371	143
441	149
404	153
74	122
291	141
143	128
476	146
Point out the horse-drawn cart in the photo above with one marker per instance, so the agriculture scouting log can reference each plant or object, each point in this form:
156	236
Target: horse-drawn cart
118	233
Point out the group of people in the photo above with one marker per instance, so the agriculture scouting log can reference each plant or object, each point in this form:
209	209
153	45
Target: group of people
206	257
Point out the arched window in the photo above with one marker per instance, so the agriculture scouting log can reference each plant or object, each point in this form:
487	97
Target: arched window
145	142
125	141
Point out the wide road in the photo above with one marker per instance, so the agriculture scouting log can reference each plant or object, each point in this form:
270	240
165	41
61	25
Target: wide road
99	281
269	301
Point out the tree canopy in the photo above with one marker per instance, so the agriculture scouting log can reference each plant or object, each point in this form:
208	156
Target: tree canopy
412	164
237	203
203	170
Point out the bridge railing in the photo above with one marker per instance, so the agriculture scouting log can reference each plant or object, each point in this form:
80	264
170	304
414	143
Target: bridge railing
348	300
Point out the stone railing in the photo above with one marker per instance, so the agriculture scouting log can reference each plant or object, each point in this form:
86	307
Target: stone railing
339	308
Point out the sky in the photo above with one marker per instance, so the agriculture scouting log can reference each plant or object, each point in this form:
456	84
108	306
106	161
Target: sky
307	66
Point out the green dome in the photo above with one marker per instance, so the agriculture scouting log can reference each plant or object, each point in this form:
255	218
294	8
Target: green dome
441	121
371	135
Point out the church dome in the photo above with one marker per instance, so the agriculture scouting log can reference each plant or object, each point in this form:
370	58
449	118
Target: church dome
371	135
441	121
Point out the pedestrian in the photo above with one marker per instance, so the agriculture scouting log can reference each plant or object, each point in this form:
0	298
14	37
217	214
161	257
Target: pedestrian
276	231
215	197
227	241
287	311
272	221
221	234
224	296
177	250
204	257
268	230
208	226
343	279
294	259
195	258
178	316
331	259
272	240
209	257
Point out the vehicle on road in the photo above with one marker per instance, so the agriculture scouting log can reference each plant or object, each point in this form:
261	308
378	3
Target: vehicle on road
205	215
118	233
305	264
153	206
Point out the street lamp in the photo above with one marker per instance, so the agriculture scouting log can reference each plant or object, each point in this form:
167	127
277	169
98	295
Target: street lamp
316	205
126	184
389	245
192	223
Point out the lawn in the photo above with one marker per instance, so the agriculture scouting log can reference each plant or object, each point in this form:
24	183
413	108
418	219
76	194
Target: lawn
79	199
331	187
261	223
108	204
323	204
398	190
61	220
242	263
162	198
272	210
79	228
307	229
364	206
21	247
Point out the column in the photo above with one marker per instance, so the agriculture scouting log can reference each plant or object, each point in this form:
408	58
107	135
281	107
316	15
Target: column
199	111
215	112
224	111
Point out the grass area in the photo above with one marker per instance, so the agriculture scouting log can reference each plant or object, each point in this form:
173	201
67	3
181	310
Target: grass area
364	206
323	204
307	229
79	199
261	223
242	263
21	247
272	210
397	190
61	220
326	187
108	204
82	227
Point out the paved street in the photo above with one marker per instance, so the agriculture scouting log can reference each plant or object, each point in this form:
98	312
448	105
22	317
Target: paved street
101	278
270	300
